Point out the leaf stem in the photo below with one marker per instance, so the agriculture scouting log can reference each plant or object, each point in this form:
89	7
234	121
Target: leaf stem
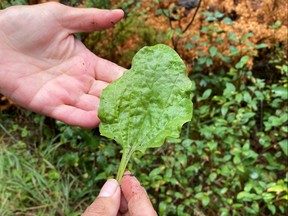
124	161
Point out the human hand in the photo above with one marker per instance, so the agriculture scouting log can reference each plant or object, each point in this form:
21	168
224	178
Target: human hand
133	201
45	69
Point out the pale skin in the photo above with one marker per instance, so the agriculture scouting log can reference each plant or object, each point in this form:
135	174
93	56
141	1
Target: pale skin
43	68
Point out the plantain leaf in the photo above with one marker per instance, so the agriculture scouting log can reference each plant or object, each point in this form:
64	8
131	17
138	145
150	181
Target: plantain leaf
150	102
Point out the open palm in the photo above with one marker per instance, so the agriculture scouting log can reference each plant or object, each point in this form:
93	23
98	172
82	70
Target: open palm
45	69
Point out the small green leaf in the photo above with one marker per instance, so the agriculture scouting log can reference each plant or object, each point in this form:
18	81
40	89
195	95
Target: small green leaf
254	175
170	34
242	62
210	19
246	36
267	197
225	59
209	62
227	20
218	14
272	209
284	146
224	110
179	32
189	46
261	46
202	60
233	51
205	200
213	51
278	188
280	91
276	25
195	38
203	197
232	37
229	90
206	94
247	97
212	176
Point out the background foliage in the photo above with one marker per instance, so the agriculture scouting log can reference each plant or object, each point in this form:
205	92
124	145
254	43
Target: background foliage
231	158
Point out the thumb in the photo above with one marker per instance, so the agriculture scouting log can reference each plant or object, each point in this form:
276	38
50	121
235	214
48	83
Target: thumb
108	201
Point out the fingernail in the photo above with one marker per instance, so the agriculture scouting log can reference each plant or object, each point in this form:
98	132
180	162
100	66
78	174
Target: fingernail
128	173
109	188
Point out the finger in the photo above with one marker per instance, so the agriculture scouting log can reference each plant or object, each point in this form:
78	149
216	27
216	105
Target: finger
74	116
136	196
123	204
97	88
107	71
108	201
87	102
89	19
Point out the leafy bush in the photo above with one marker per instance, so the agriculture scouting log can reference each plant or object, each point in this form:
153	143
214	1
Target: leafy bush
233	157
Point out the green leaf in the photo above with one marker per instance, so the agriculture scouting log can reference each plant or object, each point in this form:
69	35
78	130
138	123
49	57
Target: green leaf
206	94
284	146
276	25
189	46
247	97
261	46
272	209
179	32
225	59
227	20
242	62
195	38
203	197
150	102
229	90
205	200
218	14
233	51
212	176
209	62
246	36
213	51
202	60
267	197
224	110
232	37
280	91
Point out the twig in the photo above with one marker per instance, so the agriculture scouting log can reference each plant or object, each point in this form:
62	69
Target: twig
192	20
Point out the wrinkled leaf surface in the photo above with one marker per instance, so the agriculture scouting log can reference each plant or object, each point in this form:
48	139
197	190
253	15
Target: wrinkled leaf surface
150	102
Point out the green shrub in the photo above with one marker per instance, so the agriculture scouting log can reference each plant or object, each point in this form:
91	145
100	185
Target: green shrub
232	157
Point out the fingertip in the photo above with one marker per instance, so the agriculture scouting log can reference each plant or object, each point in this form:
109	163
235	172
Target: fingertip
109	188
131	186
107	202
119	12
136	196
107	71
90	19
75	116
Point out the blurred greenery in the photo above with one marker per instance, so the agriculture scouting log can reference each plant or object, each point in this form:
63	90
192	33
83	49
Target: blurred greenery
231	159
